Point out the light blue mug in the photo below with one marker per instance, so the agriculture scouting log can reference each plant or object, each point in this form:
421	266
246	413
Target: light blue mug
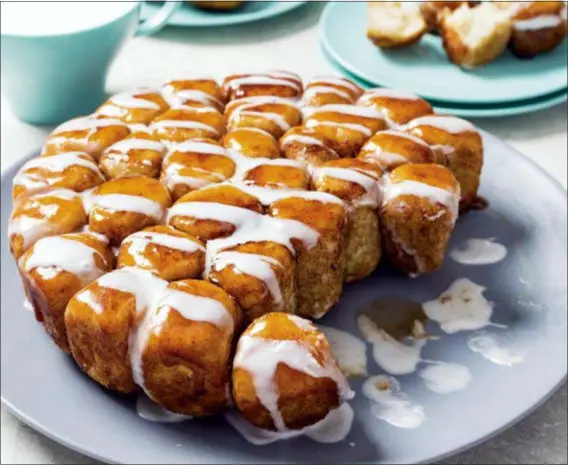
47	79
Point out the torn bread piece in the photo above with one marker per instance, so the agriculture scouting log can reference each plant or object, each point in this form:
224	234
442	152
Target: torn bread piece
475	36
395	24
431	11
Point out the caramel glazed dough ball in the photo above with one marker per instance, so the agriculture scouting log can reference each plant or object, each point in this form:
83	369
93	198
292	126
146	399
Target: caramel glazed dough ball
151	233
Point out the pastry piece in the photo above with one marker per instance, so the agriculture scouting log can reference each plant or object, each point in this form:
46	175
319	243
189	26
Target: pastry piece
274	83
345	128
216	5
458	142
475	36
88	134
538	27
252	143
57	267
356	182
197	91
137	106
390	149
319	229
195	163
138	154
259	275
181	124
51	213
123	206
394	24
194	212
330	89
284	375
432	11
170	254
189	337
275	115
419	210
301	143
68	170
397	107
129	329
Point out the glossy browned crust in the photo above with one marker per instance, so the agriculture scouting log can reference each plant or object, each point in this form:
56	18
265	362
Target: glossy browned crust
116	225
313	154
109	109
211	229
211	168
251	143
389	142
208	86
278	177
251	90
212	118
217	5
303	399
345	141
465	161
291	115
416	230
169	264
49	296
187	364
81	141
251	293
320	270
99	341
68	217
136	162
78	178
321	99
399	111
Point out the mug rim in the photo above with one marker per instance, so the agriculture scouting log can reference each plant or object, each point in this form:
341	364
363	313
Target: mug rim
79	31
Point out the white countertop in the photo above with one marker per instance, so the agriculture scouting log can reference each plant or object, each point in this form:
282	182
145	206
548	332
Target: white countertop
291	42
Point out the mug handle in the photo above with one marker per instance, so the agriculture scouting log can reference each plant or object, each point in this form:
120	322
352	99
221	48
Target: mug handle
158	20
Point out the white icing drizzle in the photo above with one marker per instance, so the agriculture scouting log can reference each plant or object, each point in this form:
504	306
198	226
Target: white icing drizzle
387	93
90	299
315	90
32	228
538	22
311	123
191	307
86	123
133	99
372	196
434	194
333	428
491	349
53	164
27	305
258	266
66	254
262	80
461	307
335	81
182	124
391	404
129	203
189	95
138	242
449	124
445	378
393	356
302	139
126	145
260	358
479	252
196	147
349	351
245	107
149	410
351	110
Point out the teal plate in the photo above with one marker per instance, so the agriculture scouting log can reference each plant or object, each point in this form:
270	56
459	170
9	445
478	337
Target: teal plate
472	111
189	15
425	70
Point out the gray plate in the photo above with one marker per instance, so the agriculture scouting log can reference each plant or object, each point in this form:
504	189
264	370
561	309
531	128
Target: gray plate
527	214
